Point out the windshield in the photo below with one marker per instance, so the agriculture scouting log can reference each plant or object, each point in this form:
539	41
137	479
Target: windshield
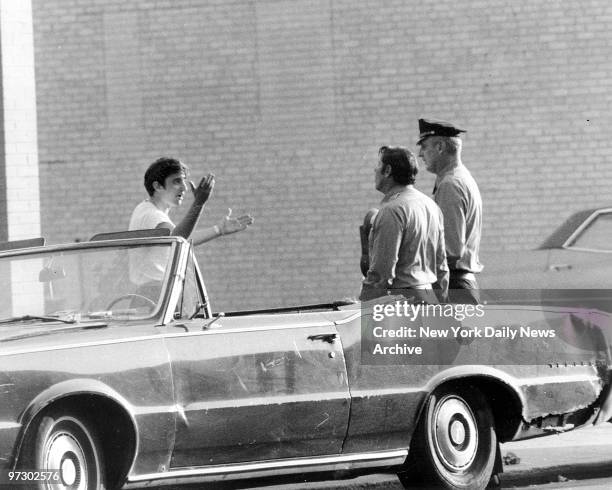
123	282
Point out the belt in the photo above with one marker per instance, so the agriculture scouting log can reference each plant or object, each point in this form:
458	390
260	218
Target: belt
426	287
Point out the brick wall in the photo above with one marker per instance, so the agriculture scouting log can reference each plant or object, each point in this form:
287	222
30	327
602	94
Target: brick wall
285	101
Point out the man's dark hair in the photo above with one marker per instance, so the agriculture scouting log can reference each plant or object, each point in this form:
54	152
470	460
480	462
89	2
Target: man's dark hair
160	169
403	163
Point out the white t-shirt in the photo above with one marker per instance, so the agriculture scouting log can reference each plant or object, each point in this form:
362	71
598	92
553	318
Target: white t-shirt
147	216
148	264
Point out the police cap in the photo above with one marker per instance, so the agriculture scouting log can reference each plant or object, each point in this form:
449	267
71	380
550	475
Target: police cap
430	127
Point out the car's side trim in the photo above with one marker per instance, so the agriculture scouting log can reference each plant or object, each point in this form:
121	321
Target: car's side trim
562	378
141	338
379	392
79	345
277	467
219	329
266	400
516	383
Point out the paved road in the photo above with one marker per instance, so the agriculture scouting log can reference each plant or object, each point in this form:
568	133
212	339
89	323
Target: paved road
580	459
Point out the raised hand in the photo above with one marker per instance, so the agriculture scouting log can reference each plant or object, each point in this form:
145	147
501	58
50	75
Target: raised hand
202	192
229	225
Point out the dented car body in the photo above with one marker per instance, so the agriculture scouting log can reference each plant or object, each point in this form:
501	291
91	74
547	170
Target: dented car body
116	373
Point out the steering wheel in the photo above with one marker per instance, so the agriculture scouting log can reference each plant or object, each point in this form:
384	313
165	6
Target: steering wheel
123	297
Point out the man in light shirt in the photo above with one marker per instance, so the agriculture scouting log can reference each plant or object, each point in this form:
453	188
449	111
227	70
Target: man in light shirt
406	242
458	196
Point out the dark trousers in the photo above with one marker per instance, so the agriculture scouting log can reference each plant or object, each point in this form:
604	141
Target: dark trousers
463	288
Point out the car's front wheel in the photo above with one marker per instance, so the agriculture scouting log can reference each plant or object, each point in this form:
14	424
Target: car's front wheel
454	444
66	443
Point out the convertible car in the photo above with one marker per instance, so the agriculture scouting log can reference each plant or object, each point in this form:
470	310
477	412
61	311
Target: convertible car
116	373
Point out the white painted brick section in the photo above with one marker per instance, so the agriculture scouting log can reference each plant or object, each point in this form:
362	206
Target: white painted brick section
20	132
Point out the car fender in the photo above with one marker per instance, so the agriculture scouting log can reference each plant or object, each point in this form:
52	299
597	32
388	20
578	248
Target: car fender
528	411
64	389
478	371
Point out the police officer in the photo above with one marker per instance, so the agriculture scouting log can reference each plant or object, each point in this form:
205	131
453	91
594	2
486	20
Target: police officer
457	194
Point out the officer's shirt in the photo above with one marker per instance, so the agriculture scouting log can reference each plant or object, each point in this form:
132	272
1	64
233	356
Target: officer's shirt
459	199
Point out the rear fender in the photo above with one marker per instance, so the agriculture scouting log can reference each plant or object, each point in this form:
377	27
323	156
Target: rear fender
493	383
467	372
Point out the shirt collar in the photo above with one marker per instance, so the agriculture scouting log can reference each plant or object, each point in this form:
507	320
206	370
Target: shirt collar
450	169
395	191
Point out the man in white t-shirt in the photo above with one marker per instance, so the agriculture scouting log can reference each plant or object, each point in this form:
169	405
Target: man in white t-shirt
166	183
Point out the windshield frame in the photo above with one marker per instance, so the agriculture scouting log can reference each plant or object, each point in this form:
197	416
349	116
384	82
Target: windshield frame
167	295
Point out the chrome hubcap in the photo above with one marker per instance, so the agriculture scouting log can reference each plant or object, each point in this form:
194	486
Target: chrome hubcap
455	434
68	471
64	453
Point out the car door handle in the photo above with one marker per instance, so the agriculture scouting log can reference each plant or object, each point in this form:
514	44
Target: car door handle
325	337
560	267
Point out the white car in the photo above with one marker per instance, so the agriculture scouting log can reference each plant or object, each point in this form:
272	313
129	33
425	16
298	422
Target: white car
573	266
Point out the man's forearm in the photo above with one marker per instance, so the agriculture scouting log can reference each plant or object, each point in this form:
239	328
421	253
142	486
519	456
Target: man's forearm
381	273
205	235
201	193
189	222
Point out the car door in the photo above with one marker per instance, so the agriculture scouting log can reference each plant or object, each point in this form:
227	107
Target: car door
584	265
255	387
251	389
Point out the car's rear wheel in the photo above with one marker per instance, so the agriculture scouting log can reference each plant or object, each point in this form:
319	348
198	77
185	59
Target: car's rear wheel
454	444
65	442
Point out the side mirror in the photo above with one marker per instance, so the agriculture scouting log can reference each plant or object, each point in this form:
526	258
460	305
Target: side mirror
48	274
